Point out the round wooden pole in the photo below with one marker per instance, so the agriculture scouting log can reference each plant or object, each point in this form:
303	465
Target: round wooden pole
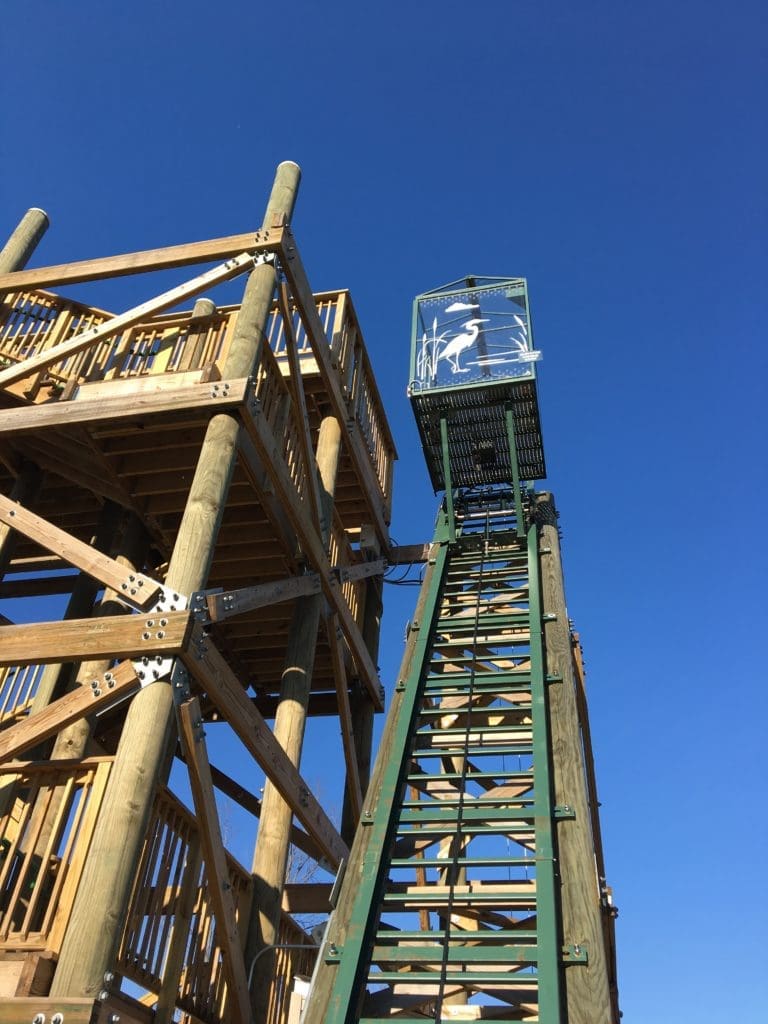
586	986
270	857
14	256
23	241
89	948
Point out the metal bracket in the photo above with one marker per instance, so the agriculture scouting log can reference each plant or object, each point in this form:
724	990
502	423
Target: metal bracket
575	954
180	683
170	601
198	604
220	389
564	812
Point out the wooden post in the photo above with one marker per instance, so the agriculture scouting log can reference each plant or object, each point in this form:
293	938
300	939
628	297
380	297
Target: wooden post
586	986
25	491
23	241
14	256
362	707
90	946
270	856
80	604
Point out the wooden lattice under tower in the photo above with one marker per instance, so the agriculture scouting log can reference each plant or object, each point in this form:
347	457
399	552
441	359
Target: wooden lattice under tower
205	491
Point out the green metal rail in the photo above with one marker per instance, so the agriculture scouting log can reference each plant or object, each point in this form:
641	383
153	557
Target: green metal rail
450	897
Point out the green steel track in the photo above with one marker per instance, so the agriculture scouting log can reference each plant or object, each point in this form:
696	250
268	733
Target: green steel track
448	909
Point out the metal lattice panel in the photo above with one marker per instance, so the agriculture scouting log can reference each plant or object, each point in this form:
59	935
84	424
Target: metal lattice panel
477	434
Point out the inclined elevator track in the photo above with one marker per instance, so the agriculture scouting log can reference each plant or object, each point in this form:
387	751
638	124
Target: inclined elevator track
455	905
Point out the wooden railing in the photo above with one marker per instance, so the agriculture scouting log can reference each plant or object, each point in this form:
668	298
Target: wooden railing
32	322
170	923
47	816
18	685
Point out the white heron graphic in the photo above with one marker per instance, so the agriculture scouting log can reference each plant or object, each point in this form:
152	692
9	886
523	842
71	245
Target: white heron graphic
460	344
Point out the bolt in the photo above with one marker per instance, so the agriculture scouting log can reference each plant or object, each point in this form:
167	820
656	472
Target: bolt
141	583
163	622
57	1018
39	1018
150	622
108	676
160	634
145	635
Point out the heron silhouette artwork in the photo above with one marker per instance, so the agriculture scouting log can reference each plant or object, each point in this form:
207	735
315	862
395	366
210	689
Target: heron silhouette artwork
460	344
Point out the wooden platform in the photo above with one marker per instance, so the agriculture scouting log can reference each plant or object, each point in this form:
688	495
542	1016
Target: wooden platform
102	421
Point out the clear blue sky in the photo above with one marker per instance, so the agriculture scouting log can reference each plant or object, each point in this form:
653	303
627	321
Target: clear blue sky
614	154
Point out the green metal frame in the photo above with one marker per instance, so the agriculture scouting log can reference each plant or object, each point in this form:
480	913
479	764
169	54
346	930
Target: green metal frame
509	419
382	822
548	939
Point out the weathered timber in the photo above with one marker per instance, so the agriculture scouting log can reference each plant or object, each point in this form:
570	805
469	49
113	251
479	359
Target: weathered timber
86	700
95	335
215	676
148	732
41	643
270	855
134	588
302	295
586	986
166	258
219	890
23	241
272	457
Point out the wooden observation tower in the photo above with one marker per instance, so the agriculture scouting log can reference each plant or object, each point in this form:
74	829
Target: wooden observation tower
194	509
201	493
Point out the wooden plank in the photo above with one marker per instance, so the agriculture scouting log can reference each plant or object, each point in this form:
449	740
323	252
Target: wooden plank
409	554
296	382
133	587
345	715
307	898
304	299
217	396
224	272
165	258
28	1008
121	636
225	691
85	700
236	602
274	462
193	743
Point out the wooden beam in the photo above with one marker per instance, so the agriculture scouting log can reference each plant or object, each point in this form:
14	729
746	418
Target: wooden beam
85	700
219	890
217	396
28	1008
123	636
224	272
334	635
242	796
236	602
305	301
409	554
247	599
133	587
307	898
223	688
296	383
272	458
166	258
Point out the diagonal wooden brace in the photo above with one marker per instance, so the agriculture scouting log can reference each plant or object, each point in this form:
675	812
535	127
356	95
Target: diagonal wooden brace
133	587
108	689
223	688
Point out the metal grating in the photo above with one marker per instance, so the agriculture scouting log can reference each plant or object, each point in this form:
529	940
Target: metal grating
477	436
